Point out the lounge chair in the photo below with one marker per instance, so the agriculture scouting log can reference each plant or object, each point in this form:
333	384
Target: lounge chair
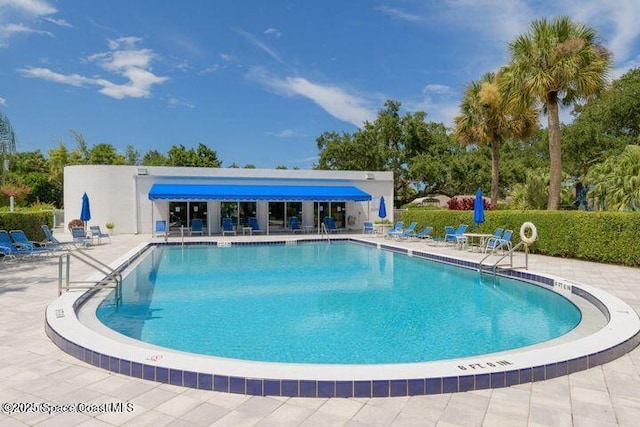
227	226
80	236
51	241
368	228
398	229
22	241
9	249
295	226
196	227
330	225
457	237
97	233
410	231
253	223
424	234
161	229
495	244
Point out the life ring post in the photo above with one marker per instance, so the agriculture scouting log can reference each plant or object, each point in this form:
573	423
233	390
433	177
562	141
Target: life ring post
528	239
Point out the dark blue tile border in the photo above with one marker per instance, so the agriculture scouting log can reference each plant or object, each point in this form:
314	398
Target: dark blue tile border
359	388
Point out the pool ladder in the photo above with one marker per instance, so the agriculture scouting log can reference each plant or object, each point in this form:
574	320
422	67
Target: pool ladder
325	232
111	279
496	266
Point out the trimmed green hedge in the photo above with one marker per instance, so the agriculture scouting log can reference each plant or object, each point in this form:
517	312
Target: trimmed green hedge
610	237
29	222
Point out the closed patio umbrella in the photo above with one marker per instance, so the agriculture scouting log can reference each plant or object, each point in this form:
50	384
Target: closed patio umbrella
478	208
85	213
382	209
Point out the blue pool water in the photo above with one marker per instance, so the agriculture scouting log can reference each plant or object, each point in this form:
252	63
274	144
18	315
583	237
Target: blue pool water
342	303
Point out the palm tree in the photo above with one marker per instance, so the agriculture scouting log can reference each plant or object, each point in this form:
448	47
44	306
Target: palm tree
487	119
555	62
7	141
616	181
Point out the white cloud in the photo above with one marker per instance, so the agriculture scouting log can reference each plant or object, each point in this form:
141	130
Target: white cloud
288	133
58	22
226	57
262	46
273	32
33	7
336	101
440	102
14	14
176	103
47	74
399	14
3	101
132	64
210	69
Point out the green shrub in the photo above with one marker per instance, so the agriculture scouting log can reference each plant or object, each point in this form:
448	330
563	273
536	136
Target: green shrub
29	222
611	237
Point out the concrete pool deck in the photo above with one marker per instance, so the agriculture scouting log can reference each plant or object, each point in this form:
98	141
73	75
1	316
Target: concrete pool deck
34	370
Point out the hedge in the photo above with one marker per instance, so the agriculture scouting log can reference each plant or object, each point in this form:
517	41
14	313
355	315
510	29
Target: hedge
29	222
609	237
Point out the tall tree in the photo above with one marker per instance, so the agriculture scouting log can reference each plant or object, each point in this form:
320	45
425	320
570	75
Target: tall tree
558	62
487	119
7	141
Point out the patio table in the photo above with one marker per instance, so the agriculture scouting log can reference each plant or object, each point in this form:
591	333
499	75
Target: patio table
480	239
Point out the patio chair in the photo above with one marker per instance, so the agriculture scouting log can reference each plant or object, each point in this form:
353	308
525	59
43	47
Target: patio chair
51	241
368	228
456	236
196	227
409	232
22	241
424	234
495	244
330	224
295	226
227	227
97	233
253	223
398	229
80	236
9	249
161	229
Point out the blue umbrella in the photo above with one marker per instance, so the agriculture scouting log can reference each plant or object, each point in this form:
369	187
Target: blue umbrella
382	210
85	213
478	208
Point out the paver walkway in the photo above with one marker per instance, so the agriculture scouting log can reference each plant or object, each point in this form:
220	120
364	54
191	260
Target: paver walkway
35	374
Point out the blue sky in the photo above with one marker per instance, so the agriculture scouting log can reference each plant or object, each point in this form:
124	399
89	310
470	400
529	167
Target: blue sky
257	81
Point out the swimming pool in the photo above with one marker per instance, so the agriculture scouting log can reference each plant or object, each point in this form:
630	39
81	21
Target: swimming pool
343	303
609	328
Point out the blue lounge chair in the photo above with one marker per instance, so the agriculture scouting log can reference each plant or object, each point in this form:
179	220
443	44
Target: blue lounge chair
96	233
424	234
253	223
161	229
227	226
80	236
196	227
457	237
52	242
398	229
295	226
22	241
368	228
503	242
410	231
330	225
9	249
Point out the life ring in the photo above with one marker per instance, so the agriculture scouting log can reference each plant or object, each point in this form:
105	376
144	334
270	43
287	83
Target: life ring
523	233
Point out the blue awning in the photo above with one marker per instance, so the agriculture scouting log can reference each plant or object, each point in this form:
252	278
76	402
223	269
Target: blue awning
284	193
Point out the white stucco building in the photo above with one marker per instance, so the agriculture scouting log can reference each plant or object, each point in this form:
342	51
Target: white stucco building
135	197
